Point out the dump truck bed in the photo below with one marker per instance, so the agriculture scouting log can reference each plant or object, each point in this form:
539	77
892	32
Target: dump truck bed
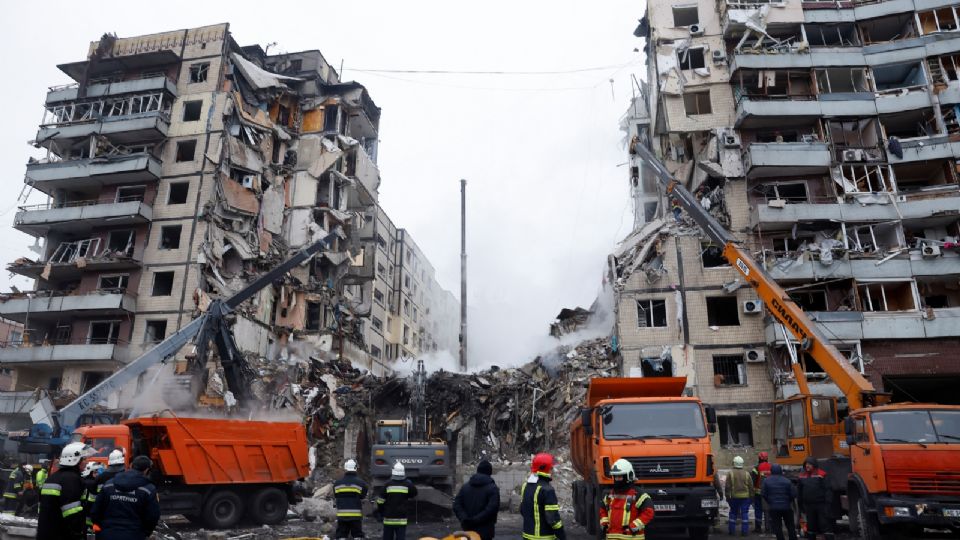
215	451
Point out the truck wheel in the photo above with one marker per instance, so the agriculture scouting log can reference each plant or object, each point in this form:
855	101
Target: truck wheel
868	528
269	506
222	510
698	533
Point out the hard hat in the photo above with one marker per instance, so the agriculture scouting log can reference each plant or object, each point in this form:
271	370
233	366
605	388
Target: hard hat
116	457
737	462
90	467
398	473
28	467
622	467
542	462
141	463
350	465
763	456
72	454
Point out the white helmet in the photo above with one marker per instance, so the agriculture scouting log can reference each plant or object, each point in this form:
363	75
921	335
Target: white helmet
398	473
89	468
28	467
72	454
737	462
622	467
116	457
350	465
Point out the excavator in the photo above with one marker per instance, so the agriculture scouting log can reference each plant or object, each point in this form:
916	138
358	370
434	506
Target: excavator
894	467
52	429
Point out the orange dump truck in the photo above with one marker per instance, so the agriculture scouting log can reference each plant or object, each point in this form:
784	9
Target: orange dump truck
213	471
665	436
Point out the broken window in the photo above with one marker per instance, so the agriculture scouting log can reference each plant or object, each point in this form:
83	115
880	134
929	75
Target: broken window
858	133
381	242
186	150
810	299
657	366
155	331
131	193
729	370
945	68
378	296
406	335
898	76
406	281
170	236
90	380
695	103
198	72
178	193
723	311
939	294
162	283
791	192
685	16
880	238
885	29
832	35
406	307
692	58
938	20
918	175
381	270
314	316
102	332
116	282
770	83
330	117
863	178
735	430
712	256
377	323
842	80
191	110
910	124
375	351
652	313
121	242
889	296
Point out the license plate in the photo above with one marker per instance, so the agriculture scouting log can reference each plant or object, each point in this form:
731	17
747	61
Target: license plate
951	512
664	508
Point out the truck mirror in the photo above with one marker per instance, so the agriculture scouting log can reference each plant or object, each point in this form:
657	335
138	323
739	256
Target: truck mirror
712	427
585	421
849	427
711	416
851	440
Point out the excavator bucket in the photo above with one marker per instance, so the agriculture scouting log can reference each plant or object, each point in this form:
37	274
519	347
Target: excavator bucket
633	387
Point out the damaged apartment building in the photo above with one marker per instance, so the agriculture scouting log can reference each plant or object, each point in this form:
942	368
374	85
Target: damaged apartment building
825	136
179	166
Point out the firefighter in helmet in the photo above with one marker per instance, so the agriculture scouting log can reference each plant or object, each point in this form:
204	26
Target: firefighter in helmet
625	512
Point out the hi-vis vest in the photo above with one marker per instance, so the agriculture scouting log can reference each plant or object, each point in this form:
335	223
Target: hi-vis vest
622	511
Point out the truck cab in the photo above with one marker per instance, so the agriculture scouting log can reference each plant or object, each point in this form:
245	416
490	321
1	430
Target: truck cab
906	468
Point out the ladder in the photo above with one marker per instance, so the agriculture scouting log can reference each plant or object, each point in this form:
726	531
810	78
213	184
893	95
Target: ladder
936	70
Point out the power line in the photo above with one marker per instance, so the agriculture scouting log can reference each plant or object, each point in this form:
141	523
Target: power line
499	72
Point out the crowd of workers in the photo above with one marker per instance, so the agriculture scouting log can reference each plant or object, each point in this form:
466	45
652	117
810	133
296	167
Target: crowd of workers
81	497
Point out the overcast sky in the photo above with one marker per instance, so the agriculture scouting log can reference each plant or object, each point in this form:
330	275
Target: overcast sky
547	191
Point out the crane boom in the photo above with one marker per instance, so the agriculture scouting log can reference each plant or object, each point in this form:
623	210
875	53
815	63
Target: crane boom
857	389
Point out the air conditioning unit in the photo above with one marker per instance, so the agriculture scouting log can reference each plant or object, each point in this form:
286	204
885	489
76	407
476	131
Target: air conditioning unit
719	57
930	251
248	181
696	30
753	307
852	155
754	356
731	139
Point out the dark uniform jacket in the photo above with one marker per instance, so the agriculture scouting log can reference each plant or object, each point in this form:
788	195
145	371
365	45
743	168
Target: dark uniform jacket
61	514
779	492
127	508
348	493
476	505
540	509
393	503
814	488
107	475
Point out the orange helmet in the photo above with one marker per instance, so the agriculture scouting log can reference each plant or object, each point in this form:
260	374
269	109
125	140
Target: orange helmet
542	463
763	456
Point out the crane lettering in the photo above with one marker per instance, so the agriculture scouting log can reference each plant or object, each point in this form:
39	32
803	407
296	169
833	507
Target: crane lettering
787	319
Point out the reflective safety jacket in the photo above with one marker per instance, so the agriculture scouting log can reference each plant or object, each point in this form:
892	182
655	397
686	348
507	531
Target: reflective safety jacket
61	514
348	493
624	511
41	477
759	473
14	484
393	502
540	509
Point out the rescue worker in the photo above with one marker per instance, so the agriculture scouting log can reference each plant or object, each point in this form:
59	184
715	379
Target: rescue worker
538	503
28	498
348	493
43	473
115	466
760	472
127	508
815	496
478	502
14	489
739	491
61	512
624	512
780	493
88	477
392	504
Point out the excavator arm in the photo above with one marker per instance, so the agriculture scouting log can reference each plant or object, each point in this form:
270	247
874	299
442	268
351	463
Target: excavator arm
857	389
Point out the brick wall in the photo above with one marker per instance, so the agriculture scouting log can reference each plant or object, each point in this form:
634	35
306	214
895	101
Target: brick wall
911	357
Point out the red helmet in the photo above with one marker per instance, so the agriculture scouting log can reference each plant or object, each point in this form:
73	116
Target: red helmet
763	456
542	463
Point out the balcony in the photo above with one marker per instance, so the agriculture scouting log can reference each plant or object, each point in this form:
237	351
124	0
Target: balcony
865	268
48	176
817	56
59	94
17	402
927	149
63	264
62	353
54	305
125	120
39	220
858	325
768	159
876	207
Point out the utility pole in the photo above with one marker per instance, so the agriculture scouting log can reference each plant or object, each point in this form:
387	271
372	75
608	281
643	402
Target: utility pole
463	275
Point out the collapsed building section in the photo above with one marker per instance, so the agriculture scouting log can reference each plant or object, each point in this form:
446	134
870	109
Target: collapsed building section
180	166
825	139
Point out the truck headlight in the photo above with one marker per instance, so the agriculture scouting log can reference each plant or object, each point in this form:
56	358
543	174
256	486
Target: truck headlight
709	503
896	511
